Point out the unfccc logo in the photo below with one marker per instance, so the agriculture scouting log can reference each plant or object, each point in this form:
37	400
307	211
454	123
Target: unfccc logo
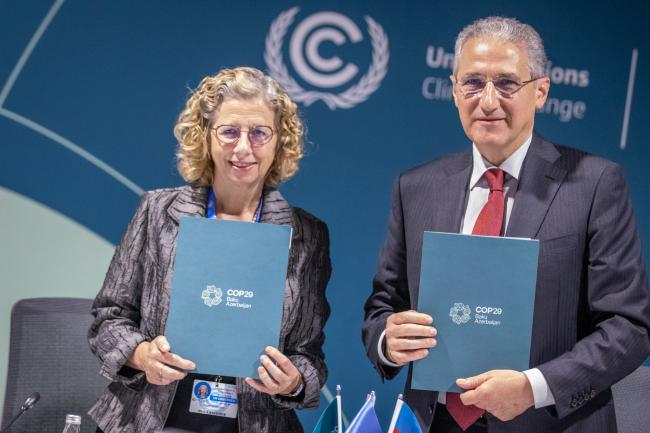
325	73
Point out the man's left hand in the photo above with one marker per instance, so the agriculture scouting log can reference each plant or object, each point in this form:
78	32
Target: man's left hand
506	394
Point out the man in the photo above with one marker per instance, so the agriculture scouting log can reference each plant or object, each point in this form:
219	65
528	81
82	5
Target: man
592	308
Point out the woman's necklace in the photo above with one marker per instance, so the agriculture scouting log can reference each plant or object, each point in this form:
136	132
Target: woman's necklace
257	215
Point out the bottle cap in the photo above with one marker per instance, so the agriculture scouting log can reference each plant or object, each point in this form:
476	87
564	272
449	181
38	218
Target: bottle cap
72	419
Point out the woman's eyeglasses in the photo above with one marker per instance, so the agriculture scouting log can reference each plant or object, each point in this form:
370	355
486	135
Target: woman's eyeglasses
257	135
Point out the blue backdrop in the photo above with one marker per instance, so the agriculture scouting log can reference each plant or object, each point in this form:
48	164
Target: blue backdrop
91	90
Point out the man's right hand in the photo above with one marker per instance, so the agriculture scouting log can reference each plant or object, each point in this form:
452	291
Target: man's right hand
159	364
409	336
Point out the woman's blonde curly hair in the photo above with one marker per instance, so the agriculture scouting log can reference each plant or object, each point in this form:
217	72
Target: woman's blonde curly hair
192	128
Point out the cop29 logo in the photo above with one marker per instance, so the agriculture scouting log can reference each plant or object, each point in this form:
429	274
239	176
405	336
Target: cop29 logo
212	296
325	73
460	313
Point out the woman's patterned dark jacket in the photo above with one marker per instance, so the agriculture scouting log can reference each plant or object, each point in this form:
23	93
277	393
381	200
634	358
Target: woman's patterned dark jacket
132	307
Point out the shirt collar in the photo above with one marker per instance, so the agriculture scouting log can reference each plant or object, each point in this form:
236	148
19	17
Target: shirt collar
512	165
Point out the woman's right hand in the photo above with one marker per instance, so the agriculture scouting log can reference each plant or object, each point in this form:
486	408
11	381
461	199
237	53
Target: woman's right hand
161	366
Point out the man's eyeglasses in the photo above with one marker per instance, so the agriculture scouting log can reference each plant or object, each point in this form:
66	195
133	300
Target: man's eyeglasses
257	135
505	87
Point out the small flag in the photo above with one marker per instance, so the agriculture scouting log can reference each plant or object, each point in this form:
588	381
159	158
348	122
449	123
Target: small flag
339	410
366	420
404	420
330	419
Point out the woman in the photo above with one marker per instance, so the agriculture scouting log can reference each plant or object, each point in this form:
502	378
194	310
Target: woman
239	136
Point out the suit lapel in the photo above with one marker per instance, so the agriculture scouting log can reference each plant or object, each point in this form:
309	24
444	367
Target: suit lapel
190	201
276	210
456	188
452	196
538	183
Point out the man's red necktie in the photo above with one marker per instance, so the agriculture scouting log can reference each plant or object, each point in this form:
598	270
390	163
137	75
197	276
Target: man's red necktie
488	223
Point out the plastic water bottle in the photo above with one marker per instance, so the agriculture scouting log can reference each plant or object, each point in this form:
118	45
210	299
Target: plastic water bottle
72	424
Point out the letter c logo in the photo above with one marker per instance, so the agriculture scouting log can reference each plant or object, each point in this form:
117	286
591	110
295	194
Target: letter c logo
302	38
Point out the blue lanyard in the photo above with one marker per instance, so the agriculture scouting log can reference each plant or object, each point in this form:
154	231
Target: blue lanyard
211	213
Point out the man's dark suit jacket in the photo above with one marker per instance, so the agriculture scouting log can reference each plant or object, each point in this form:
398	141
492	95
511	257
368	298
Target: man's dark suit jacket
592	305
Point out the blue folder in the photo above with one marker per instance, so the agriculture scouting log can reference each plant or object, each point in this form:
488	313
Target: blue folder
227	293
480	291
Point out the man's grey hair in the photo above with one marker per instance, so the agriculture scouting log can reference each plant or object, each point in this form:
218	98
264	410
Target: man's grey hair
509	30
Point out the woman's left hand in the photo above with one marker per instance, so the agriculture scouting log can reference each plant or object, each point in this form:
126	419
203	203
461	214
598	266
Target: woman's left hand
277	374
